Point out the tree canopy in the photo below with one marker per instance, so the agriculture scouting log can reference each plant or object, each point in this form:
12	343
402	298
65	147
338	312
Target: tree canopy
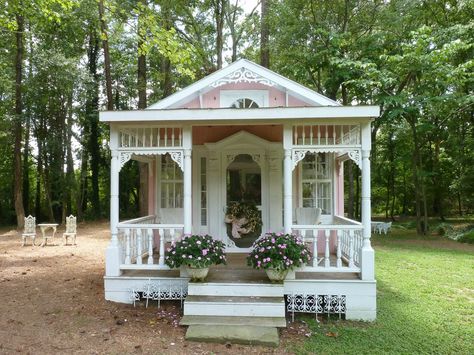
61	61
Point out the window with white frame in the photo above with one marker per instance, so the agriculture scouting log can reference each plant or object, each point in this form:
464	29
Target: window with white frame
244	98
316	182
171	183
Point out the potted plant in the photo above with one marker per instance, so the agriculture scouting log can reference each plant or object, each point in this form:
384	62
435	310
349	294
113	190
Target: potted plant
278	253
196	253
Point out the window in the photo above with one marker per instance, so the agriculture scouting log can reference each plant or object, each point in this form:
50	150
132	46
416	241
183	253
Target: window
244	98
316	189
171	183
244	103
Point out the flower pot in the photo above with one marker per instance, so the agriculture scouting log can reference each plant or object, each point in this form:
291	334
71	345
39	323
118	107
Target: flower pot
276	275
197	274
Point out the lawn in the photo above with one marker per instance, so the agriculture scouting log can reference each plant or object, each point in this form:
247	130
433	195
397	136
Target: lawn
425	300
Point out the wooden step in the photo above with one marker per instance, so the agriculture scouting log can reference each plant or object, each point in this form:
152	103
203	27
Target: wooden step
279	322
235	289
234	306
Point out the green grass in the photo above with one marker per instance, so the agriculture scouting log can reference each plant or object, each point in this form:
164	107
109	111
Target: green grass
425	302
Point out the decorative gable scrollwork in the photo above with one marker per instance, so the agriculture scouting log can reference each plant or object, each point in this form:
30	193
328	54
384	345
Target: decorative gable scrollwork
243	75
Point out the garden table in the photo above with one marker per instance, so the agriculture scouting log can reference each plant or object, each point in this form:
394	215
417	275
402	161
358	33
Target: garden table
44	228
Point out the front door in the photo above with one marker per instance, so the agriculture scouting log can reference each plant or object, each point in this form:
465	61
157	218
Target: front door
243	200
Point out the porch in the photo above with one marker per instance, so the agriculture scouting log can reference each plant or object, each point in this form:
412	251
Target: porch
336	246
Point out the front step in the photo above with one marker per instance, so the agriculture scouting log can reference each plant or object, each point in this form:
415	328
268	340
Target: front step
240	311
234	306
279	322
235	289
250	335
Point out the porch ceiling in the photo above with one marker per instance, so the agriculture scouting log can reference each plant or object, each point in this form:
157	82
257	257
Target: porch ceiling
227	115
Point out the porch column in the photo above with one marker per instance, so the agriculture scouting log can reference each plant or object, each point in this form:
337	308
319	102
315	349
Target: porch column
188	176
112	253
367	253
287	192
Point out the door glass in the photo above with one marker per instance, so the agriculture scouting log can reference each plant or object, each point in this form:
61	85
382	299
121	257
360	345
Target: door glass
244	198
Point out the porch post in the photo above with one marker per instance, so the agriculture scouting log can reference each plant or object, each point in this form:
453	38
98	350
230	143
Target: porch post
187	203
367	253
288	187
112	253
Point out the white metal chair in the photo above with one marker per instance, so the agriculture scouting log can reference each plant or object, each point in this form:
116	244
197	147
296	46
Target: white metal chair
384	227
71	228
30	230
308	216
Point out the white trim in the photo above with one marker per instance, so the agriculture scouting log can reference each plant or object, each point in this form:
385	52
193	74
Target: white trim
227	114
299	91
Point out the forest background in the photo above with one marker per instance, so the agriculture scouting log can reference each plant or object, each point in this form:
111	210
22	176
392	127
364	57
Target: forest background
61	61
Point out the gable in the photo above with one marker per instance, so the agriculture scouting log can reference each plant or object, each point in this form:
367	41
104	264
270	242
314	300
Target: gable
253	81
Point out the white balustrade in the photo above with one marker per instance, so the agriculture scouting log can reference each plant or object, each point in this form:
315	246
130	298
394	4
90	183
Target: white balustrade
343	241
151	137
137	241
324	134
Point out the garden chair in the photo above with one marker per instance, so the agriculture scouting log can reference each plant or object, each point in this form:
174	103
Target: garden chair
308	216
385	228
71	227
29	230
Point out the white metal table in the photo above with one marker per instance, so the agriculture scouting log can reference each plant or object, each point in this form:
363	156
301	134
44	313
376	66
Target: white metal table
44	228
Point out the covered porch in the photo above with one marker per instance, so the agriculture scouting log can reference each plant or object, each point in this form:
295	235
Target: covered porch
300	162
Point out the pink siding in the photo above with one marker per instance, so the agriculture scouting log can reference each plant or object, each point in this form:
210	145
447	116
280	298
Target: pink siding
276	97
212	134
294	102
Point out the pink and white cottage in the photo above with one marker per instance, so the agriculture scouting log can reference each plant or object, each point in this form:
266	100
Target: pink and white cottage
244	129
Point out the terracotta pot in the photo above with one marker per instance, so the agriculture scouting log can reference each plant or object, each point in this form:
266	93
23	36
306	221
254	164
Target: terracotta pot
197	274
276	275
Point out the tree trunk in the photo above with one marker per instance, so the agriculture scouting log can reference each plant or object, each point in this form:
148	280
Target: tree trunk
105	46
70	183
17	132
92	117
142	84
167	85
219	8
264	36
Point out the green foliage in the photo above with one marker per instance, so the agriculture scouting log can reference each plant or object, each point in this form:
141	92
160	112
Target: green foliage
197	251
278	251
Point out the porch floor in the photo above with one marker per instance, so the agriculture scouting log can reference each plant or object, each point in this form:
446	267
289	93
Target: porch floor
237	271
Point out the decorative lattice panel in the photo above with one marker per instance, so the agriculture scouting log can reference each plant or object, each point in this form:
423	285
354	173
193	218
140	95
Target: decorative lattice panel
317	304
160	290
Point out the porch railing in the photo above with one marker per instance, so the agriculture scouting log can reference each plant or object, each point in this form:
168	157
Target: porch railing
137	242
344	236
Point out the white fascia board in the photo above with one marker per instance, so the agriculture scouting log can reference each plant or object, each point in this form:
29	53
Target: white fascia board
239	114
194	88
293	87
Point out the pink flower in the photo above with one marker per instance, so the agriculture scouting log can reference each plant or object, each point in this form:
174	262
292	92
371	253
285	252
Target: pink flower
256	256
204	252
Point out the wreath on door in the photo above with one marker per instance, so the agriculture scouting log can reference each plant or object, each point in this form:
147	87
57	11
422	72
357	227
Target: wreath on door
244	217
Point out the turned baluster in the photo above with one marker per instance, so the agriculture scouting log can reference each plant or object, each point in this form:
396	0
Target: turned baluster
139	246
128	260
315	248
327	260
351	248
338	249
161	260
150	246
